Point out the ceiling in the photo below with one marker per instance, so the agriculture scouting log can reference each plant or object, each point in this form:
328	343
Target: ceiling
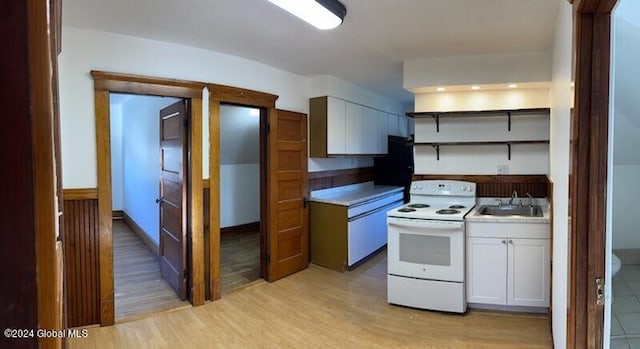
368	49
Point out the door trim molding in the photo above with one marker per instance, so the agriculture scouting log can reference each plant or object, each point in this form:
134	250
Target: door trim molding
592	29
105	83
219	94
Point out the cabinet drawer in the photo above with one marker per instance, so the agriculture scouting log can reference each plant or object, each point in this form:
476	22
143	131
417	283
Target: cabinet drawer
508	230
373	204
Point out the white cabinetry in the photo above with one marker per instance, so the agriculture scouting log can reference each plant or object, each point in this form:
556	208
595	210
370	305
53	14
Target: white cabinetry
366	234
338	127
403	126
354	130
508	264
383	132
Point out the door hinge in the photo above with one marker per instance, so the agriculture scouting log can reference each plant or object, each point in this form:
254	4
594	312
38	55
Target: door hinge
267	128
600	291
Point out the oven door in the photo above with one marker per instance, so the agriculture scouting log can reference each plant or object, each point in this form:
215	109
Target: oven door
426	249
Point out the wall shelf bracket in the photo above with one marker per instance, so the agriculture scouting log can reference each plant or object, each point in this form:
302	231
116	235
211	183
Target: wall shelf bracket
509	151
509	116
437	148
436	117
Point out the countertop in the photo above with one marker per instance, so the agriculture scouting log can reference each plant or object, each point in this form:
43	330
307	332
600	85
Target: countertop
350	195
474	216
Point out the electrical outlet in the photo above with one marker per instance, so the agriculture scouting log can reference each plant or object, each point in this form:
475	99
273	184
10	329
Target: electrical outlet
503	169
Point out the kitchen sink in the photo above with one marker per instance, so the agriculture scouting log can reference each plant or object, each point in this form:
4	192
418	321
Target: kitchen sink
495	210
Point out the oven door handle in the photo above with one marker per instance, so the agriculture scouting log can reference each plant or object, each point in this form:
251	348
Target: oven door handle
424	224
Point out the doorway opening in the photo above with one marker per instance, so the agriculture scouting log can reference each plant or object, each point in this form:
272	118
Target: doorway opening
622	268
242	198
140	284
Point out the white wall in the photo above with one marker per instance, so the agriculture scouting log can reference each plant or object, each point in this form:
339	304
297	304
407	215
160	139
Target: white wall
625	228
86	50
559	168
141	160
476	69
117	188
239	165
482	159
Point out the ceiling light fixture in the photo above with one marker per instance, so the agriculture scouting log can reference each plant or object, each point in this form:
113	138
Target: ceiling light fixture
322	14
440	89
475	87
512	85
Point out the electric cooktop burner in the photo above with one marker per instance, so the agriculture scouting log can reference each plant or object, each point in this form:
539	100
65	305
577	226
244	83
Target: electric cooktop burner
447	211
418	205
456	206
406	210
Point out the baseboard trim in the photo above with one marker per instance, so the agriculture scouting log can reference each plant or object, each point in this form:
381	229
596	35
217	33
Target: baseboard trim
240	229
118	214
141	234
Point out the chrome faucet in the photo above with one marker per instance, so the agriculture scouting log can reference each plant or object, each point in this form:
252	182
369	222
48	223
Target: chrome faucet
530	199
514	196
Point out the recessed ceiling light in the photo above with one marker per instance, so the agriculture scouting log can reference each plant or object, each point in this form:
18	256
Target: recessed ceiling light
322	14
475	87
512	85
440	89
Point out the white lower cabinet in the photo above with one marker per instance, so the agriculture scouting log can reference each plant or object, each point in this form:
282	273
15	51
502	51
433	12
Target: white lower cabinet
367	233
508	271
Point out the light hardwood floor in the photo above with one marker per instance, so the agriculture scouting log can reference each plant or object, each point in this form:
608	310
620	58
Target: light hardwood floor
320	308
139	287
240	260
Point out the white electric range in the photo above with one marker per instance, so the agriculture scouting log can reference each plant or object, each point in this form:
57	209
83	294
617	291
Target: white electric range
426	256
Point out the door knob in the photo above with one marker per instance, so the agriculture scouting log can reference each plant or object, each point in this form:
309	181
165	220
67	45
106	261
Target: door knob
157	201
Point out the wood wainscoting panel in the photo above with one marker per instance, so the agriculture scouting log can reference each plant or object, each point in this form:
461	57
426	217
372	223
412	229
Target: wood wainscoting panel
82	273
336	178
500	186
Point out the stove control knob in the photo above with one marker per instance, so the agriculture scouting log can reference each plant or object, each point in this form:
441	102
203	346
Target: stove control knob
420	187
463	188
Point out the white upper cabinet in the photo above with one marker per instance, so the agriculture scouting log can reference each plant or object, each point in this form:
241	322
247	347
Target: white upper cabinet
382	132
403	126
354	128
336	126
392	125
370	131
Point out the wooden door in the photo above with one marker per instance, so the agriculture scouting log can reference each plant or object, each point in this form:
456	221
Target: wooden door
288	234
173	196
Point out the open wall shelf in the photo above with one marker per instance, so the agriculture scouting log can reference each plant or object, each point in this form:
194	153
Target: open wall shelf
436	145
436	115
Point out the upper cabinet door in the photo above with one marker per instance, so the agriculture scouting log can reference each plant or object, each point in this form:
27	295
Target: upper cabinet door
336	126
403	126
370	131
382	132
354	128
392	125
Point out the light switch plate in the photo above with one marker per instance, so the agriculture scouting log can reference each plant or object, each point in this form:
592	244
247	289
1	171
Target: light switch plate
503	169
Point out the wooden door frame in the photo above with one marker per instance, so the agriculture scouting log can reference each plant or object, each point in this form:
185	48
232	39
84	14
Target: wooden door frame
592	28
220	94
104	84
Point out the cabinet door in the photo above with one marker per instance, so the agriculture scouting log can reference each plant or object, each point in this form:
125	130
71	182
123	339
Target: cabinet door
528	264
336	122
383	132
486	270
356	240
354	130
369	131
392	124
412	125
403	126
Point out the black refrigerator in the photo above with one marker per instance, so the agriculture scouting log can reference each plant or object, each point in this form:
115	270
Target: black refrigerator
397	167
